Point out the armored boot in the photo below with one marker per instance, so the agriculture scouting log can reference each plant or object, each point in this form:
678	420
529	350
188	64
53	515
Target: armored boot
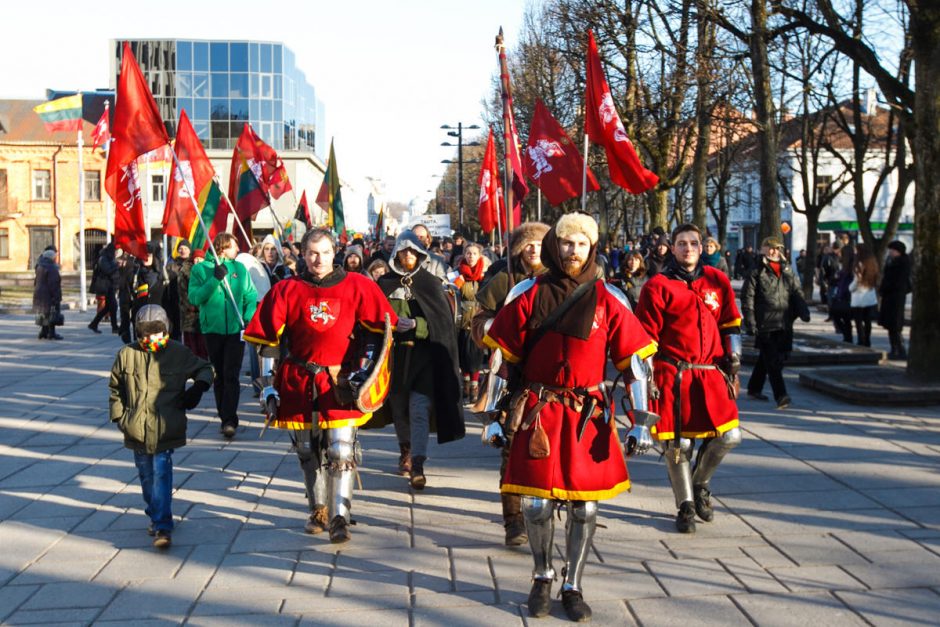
540	527
680	476
341	458
707	460
579	532
309	454
513	521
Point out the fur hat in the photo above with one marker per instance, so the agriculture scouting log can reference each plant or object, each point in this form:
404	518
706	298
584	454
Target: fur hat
771	242
571	223
525	233
151	319
899	246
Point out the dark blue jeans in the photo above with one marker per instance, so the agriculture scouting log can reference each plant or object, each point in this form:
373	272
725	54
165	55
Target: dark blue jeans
156	481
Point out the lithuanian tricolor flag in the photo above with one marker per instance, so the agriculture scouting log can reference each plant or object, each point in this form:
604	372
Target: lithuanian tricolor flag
63	114
330	198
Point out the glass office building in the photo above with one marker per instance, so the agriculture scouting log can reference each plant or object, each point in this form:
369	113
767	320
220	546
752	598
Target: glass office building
223	84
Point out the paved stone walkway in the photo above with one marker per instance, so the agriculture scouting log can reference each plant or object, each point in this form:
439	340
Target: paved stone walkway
827	514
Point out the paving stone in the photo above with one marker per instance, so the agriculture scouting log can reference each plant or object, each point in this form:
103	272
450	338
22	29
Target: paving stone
808	549
693	577
677	612
912	575
247	570
378	583
69	595
806	578
754	577
767	556
901	608
424	598
163	599
797	609
507	615
65	616
13	596
391	618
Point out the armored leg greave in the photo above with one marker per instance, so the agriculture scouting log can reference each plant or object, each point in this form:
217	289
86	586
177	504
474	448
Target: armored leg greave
680	473
310	456
541	529
341	467
582	519
710	455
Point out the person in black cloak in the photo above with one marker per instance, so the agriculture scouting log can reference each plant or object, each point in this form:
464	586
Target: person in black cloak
425	389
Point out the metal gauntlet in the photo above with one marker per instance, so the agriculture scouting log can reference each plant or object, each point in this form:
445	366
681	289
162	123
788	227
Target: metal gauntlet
638	439
731	361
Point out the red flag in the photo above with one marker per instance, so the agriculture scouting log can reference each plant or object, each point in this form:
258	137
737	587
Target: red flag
194	175
491	192
552	160
257	172
303	211
138	129
519	187
102	133
602	124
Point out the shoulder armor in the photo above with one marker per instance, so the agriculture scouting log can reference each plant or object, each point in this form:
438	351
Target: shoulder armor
617	293
518	289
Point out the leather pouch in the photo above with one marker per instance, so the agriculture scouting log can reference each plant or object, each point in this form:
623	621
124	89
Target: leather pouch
539	447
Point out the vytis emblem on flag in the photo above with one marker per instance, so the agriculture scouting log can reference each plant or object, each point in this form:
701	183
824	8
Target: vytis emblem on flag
129	178
485	178
184	175
541	152
256	169
608	113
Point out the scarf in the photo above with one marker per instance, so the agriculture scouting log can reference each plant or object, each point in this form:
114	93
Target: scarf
334	277
154	346
555	285
775	266
674	271
712	259
472	274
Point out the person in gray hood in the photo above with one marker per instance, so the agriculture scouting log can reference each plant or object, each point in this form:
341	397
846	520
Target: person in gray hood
426	393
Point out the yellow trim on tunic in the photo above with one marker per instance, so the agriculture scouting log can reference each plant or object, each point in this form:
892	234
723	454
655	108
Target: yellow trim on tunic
734	323
567	495
643	353
266	342
507	355
322	424
670	435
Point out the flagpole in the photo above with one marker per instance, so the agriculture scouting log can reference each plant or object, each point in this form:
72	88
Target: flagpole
539	197
109	226
507	139
192	199
82	275
584	176
236	220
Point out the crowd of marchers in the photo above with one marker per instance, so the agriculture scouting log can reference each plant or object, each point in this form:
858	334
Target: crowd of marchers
412	330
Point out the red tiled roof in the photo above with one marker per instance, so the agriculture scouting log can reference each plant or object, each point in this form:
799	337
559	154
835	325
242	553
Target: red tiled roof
21	124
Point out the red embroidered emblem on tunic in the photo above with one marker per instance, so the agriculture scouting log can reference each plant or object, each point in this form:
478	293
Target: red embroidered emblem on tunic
323	314
710	298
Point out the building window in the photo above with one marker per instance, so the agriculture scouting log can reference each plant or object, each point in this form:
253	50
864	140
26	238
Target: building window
42	184
4	243
157	188
3	191
823	186
93	185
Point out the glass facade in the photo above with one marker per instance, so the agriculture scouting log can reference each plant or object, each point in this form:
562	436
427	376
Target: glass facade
223	84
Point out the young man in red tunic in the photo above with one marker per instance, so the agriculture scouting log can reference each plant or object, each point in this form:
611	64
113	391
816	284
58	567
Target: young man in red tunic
689	310
564	401
309	320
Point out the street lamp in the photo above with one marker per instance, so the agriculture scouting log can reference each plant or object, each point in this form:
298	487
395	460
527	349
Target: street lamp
457	131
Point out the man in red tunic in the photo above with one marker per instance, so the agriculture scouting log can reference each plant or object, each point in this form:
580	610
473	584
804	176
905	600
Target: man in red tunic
689	310
565	447
310	320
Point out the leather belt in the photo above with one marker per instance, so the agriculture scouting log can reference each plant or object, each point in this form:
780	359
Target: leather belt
572	398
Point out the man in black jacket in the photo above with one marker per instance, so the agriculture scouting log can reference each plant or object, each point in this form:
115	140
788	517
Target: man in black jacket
770	299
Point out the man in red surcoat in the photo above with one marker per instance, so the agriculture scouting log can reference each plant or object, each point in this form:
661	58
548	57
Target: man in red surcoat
689	310
565	447
310	321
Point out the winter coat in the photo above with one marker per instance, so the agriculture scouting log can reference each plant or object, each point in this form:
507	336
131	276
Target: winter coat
632	286
105	275
47	286
770	303
146	394
862	296
216	314
895	285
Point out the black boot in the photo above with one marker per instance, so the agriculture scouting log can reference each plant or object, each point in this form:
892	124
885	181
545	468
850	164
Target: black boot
418	480
685	519
540	598
339	530
404	460
575	607
703	503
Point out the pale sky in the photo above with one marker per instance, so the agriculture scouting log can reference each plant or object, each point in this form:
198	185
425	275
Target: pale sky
389	73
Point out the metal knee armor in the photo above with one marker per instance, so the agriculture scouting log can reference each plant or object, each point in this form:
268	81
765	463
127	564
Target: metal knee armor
579	532
540	527
342	458
680	473
711	453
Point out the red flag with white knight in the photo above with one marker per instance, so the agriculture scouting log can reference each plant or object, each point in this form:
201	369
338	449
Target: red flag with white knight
552	160
602	124
257	172
138	129
491	192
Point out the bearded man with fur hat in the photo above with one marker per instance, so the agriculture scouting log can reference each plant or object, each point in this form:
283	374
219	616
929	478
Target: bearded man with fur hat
525	261
557	331
425	388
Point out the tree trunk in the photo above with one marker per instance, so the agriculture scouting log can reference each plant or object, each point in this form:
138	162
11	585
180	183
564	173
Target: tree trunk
659	209
703	121
812	229
766	122
924	362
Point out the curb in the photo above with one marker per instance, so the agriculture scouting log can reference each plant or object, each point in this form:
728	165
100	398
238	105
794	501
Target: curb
871	385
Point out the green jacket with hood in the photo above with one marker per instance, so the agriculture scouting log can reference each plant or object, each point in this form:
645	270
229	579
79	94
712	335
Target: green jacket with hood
146	394
216	312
